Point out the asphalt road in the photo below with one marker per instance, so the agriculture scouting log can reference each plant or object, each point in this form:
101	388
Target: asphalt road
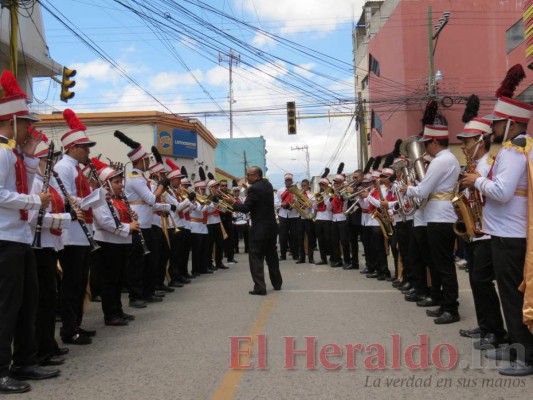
364	341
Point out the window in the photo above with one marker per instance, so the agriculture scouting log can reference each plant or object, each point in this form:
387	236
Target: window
514	36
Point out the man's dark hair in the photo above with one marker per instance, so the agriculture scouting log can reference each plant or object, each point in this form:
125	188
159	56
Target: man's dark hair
486	142
305	181
442	142
257	170
358	171
223	180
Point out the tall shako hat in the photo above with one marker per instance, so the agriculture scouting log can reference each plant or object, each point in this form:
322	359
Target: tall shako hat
42	148
339	177
212	181
137	152
324	178
76	135
473	129
14	103
434	132
158	166
104	171
185	181
235	185
175	171
200	183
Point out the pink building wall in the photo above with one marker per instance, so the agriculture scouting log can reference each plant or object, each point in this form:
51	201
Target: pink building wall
471	53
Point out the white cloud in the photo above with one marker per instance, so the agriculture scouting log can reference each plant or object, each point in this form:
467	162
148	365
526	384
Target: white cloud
263	41
169	80
305	70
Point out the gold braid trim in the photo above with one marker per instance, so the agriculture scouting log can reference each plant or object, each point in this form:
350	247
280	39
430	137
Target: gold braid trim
522	150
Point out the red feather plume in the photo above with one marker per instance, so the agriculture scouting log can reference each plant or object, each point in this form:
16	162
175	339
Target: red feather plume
171	164
98	165
72	120
10	85
514	76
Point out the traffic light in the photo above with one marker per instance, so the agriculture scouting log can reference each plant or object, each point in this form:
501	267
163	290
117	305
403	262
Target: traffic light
66	84
291	117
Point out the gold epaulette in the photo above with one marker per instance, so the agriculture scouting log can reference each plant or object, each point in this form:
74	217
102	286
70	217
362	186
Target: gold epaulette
10	145
490	159
134	174
517	147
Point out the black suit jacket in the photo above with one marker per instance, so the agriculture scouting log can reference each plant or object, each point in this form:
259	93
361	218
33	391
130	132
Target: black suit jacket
260	204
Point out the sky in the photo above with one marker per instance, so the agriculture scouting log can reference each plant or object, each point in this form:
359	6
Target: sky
172	56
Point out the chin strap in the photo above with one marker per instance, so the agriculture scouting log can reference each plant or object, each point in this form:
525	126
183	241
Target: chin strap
507	126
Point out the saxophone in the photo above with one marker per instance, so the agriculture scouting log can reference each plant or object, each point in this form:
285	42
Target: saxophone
468	208
382	215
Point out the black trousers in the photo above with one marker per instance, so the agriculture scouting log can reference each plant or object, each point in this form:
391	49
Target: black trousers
339	237
161	254
140	273
481	276
18	305
367	247
45	321
323	234
508	255
420	259
306	229
378	250
216	243
112	262
229	242
75	265
179	254
353	233
442	241
394	249
200	252
404	233
261	251
240	230
288	235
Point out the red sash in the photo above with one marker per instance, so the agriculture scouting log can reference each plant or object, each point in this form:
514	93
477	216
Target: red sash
83	190
372	207
122	211
21	181
321	207
337	205
58	206
286	197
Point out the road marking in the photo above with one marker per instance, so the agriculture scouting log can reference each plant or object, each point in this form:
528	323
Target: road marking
230	382
350	291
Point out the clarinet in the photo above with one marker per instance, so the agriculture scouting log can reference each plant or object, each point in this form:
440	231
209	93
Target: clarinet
132	216
46	182
111	208
73	208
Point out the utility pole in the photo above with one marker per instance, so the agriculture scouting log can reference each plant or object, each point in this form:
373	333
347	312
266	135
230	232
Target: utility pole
13	37
443	21
245	162
359	140
306	149
361	118
232	58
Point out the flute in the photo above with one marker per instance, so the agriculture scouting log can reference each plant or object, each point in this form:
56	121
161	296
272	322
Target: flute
132	216
46	182
73	208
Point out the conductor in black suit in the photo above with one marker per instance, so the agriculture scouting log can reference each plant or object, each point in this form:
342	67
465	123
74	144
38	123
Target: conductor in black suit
263	232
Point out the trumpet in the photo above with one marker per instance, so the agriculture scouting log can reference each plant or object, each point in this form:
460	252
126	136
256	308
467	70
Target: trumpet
224	203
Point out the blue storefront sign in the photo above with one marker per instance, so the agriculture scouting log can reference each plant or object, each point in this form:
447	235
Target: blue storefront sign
177	142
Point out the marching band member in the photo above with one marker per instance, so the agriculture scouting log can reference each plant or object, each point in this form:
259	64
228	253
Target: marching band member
476	145
365	227
140	276
226	218
288	220
306	228
323	220
339	228
180	245
437	186
199	233
240	221
115	244
354	220
214	227
74	257
54	220
505	219
18	275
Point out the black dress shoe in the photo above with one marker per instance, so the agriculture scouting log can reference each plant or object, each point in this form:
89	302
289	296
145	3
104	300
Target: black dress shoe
300	261
153	299
62	351
128	317
77	339
406	286
436	312
277	287
208	271
517	368
33	372
321	262
381	277
52	360
183	280
222	266
372	275
159	294
427	302
500	354
96	299
350	267
164	288
397	284
447	318
413	297
137	303
195	275
175	284
408	291
337	264
365	271
9	385
472	333
490	341
253	292
86	332
282	258
117	321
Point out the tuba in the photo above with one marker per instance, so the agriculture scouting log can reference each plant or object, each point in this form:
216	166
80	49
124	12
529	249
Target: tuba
301	204
416	168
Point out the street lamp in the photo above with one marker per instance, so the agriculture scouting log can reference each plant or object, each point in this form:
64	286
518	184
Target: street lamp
434	37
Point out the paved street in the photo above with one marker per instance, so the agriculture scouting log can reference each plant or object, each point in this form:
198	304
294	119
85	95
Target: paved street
180	349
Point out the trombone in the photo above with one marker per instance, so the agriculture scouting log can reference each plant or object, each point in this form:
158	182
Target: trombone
328	192
224	203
